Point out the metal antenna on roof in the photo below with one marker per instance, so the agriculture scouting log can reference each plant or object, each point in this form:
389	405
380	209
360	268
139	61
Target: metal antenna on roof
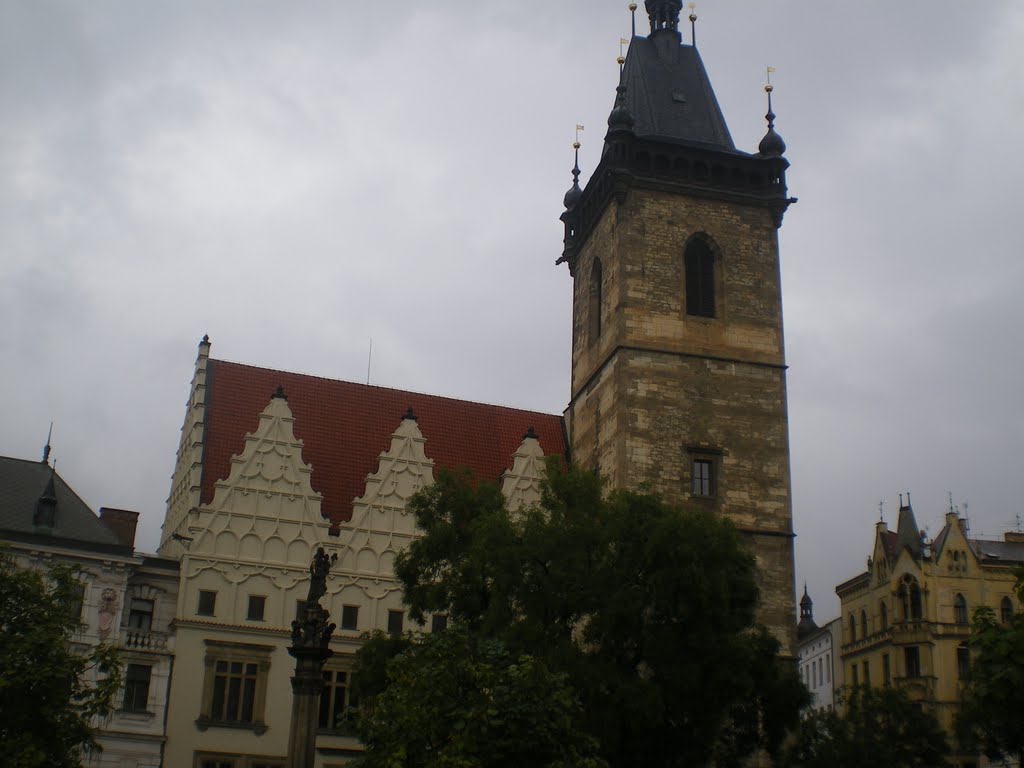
369	359
621	58
693	23
46	449
881	511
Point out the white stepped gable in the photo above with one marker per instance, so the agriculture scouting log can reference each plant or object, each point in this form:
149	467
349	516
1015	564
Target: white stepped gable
381	526
522	483
266	511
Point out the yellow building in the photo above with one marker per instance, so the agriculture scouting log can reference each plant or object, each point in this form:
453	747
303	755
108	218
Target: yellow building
906	619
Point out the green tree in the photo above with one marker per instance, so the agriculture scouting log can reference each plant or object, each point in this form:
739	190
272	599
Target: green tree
647	610
455	700
878	728
49	694
992	715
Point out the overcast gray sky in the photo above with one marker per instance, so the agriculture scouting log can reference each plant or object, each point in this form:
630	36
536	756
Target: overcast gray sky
296	178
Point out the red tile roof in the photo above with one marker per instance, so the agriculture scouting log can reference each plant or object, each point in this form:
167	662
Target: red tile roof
345	426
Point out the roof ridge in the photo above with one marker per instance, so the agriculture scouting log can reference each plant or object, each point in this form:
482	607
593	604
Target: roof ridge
383	388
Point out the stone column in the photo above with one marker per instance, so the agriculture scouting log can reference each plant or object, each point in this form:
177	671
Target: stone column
311	635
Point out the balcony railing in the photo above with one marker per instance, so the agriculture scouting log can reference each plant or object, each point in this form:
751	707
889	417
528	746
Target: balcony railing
143	639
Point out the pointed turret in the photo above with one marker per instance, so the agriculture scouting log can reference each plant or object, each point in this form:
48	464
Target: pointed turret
772	144
806	625
907	533
573	195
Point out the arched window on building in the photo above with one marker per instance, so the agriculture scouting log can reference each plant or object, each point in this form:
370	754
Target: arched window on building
883	615
863	624
595	303
960	610
699	265
853	628
909	594
1006	610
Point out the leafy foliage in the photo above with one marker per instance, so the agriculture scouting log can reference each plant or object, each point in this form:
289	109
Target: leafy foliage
455	700
646	610
992	715
48	693
877	727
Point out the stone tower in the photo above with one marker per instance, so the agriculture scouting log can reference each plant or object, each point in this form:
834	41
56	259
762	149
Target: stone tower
678	366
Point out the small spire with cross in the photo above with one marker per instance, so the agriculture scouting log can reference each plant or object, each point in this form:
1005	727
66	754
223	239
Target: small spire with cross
693	23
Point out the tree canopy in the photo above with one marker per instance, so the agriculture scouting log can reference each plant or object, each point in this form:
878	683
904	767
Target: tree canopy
457	700
646	611
873	728
992	715
49	694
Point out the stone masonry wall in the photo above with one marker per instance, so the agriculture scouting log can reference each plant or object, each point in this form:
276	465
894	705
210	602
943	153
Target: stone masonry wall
660	386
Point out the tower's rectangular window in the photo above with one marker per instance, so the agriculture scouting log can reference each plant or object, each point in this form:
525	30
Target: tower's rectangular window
699	264
257	607
438	622
207	602
867	674
140	615
395	622
886	671
703	477
350	617
136	687
854	680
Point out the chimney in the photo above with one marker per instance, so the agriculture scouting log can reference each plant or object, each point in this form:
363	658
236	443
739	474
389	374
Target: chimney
122	522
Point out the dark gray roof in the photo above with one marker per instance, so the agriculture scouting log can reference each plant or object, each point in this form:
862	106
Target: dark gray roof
22	483
999	551
669	95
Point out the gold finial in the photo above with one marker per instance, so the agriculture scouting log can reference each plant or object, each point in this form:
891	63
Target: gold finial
768	84
621	58
693	11
632	11
632	7
693	23
576	143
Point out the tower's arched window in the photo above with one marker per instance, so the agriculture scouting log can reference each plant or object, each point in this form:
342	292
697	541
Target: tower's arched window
853	627
863	624
594	305
959	609
883	615
915	602
1005	610
699	264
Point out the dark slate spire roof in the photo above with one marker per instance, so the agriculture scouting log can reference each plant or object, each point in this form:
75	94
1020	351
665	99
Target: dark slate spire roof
907	533
772	144
806	625
669	96
573	195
